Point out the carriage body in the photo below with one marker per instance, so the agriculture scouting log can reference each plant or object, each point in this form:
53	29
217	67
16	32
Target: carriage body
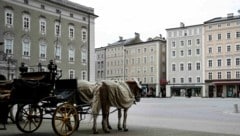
40	94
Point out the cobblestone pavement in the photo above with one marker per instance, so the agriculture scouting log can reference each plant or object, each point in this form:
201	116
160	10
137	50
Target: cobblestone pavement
163	117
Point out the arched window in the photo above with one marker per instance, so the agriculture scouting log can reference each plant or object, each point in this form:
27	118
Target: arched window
26	47
84	35
71	31
26	22
71	54
42	50
9	16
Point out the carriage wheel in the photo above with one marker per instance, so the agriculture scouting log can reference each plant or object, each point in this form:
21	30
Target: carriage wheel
65	119
29	118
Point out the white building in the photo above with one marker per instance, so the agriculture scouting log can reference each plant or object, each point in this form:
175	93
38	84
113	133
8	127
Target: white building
185	67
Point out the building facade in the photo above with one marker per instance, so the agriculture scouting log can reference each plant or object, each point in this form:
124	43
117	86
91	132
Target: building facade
185	67
146	61
100	63
133	58
222	56
115	57
36	31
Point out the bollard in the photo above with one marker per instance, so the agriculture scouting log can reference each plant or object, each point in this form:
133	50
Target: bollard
235	108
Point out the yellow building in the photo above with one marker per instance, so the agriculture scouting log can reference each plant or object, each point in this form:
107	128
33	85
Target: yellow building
222	56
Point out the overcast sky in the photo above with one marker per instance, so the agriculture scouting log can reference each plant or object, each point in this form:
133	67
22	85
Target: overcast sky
151	17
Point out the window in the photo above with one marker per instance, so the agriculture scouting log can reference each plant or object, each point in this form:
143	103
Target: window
189	42
26	47
145	60
174	80
71	55
42	7
84	57
181	67
84	75
237	74
71	74
189	52
198	79
228	35
237	34
71	32
57	28
198	66
210	75
152	69
43	26
210	50
8	46
189	80
238	47
228	62
58	52
219	75
173	53
84	35
219	36
182	80
189	66
219	62
197	51
173	44
26	22
209	37
198	41
228	75
219	49
228	48
8	18
181	53
237	61
42	50
209	63
26	1
182	43
173	67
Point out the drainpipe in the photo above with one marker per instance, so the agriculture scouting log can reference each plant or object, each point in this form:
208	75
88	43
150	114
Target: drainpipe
88	65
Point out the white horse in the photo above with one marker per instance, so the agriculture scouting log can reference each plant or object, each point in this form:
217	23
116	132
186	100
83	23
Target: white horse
117	94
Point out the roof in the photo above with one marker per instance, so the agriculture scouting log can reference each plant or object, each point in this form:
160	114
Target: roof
122	41
185	27
220	19
74	6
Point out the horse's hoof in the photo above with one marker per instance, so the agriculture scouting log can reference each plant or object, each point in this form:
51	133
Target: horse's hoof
106	131
125	129
119	129
95	132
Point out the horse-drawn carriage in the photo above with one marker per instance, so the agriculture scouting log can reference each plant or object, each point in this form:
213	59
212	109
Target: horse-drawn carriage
43	95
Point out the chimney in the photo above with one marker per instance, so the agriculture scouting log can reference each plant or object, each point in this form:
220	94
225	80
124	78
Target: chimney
182	24
160	36
137	35
120	38
230	15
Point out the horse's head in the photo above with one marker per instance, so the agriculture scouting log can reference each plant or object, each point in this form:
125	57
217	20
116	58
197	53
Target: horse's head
136	88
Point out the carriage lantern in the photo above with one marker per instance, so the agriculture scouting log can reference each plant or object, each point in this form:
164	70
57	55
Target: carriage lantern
52	69
23	68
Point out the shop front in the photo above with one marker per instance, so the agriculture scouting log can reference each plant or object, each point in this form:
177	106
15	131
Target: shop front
223	88
186	91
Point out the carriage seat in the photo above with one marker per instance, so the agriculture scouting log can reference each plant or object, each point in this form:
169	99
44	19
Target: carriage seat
40	76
